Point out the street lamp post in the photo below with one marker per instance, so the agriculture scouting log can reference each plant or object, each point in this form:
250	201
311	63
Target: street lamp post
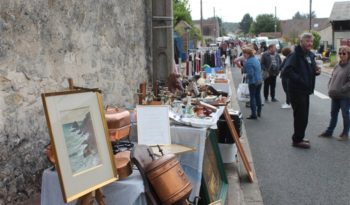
187	29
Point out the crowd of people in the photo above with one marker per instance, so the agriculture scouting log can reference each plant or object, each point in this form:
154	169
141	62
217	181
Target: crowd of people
298	71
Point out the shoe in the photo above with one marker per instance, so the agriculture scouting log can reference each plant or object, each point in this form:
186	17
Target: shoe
274	100
342	137
325	134
259	114
306	140
286	106
303	144
252	117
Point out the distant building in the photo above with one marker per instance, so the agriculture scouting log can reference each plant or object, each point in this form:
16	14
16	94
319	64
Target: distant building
340	21
292	29
211	29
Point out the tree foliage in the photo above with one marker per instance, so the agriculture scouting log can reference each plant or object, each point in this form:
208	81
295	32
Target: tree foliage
181	11
245	23
222	30
298	15
317	39
266	23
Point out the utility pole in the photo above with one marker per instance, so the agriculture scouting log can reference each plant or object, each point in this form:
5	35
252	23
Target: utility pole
201	21
310	16
275	20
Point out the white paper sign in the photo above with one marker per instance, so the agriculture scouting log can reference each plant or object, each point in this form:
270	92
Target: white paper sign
153	125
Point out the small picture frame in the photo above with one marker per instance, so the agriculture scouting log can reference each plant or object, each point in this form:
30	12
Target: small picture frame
153	125
78	133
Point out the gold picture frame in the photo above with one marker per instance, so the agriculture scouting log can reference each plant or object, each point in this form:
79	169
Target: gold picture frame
79	135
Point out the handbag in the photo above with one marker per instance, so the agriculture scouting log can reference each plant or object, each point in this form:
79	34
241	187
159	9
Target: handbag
243	90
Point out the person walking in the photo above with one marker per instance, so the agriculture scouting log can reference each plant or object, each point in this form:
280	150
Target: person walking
301	71
339	92
285	52
253	75
270	64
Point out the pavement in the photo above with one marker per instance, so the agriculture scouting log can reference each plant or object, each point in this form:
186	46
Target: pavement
241	191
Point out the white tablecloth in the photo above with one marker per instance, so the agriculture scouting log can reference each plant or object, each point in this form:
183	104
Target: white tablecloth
192	162
126	191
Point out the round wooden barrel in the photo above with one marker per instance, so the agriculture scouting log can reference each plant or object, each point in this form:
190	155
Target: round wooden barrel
168	179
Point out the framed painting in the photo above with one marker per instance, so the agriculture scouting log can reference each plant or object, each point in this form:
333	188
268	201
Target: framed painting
78	132
214	185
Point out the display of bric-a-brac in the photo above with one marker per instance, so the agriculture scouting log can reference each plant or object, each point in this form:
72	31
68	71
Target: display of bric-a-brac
80	138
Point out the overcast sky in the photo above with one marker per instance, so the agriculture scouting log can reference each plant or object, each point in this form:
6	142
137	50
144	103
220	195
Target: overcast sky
234	10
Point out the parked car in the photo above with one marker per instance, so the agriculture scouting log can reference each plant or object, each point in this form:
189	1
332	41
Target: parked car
276	42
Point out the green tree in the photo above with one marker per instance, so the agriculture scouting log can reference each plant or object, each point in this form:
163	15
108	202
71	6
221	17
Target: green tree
181	11
252	29
266	23
317	39
245	23
313	15
222	30
298	15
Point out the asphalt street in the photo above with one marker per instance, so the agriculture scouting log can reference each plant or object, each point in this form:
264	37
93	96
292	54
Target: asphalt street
289	175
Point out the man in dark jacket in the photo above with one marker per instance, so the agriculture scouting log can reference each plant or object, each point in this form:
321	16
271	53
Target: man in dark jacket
301	70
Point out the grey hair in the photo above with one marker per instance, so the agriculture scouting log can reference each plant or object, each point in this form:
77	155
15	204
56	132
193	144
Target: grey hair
306	35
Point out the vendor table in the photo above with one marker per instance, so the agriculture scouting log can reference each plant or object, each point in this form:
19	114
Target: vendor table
126	191
131	189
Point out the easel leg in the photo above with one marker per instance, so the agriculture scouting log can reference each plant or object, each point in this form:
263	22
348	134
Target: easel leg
89	198
100	198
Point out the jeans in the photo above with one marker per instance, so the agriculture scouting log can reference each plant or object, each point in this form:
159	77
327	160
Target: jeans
300	104
344	106
255	99
270	83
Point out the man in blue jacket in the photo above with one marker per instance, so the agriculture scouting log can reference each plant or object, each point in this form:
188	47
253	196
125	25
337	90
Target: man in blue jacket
301	70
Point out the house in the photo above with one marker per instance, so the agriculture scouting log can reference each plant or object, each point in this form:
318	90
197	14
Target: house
291	29
340	21
211	29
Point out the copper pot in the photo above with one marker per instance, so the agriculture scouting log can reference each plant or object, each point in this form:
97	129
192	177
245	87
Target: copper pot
123	164
118	122
50	153
168	179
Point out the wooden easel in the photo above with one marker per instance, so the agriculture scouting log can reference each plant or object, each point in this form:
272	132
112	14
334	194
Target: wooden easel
240	149
88	199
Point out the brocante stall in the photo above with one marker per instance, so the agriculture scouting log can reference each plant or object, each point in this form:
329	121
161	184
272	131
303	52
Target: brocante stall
88	166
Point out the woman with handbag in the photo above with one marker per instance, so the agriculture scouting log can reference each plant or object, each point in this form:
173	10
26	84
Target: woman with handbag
254	80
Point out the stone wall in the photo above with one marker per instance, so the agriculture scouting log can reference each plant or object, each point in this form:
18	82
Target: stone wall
98	43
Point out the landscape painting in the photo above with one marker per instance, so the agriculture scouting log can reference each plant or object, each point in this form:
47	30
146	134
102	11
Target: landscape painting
80	139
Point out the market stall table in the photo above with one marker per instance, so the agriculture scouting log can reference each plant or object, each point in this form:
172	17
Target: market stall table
126	191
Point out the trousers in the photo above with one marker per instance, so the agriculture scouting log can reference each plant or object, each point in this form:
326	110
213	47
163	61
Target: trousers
270	84
300	103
